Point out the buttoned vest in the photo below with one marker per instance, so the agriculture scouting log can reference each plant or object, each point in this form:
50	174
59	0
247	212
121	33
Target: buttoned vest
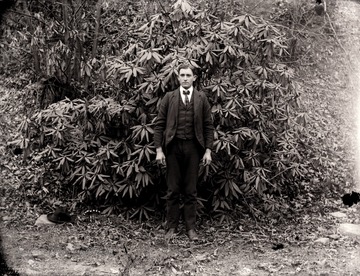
185	129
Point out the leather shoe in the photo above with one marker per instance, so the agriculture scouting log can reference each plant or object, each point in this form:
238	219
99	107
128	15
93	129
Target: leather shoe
192	235
170	233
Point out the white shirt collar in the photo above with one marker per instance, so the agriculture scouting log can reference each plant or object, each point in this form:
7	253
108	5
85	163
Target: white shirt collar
190	89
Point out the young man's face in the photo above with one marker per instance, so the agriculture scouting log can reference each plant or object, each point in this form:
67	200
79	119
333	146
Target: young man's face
186	78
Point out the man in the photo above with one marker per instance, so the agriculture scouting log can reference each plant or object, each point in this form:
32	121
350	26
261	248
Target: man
184	135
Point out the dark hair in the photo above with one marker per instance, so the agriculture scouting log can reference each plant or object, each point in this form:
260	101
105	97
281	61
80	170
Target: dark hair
187	65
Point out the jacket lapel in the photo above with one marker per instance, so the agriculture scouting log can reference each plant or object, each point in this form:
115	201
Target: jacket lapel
196	97
175	104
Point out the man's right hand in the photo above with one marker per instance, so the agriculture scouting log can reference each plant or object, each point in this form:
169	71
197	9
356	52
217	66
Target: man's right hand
160	157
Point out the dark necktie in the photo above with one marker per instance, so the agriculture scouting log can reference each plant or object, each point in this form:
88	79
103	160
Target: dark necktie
186	93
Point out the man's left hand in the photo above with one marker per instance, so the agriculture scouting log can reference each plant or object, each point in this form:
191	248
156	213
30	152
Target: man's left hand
207	157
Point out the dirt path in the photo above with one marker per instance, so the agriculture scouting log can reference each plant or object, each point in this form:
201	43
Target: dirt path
311	244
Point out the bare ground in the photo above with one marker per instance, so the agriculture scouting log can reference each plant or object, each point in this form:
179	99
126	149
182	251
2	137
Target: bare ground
108	247
307	244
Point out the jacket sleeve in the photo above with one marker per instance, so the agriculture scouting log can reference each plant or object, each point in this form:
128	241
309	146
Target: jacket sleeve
160	122
208	124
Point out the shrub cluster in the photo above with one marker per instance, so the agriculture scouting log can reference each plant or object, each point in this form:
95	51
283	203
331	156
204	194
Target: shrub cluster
100	143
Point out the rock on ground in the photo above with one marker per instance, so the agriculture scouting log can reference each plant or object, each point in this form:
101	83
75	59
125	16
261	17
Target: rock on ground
338	214
350	229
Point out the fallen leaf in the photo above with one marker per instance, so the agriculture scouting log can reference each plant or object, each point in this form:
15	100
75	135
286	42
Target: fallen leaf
70	247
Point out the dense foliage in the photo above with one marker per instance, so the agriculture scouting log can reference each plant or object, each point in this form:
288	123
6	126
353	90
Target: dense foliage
106	66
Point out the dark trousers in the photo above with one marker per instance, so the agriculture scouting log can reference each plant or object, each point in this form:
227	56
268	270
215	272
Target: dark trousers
182	162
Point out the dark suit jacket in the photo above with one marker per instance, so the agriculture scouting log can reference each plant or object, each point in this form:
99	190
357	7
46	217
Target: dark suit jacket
167	119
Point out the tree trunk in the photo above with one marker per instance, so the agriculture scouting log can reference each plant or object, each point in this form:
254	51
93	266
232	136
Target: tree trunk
95	41
78	51
67	69
33	47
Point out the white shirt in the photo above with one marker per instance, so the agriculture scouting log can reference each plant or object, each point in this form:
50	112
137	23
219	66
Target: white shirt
183	95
